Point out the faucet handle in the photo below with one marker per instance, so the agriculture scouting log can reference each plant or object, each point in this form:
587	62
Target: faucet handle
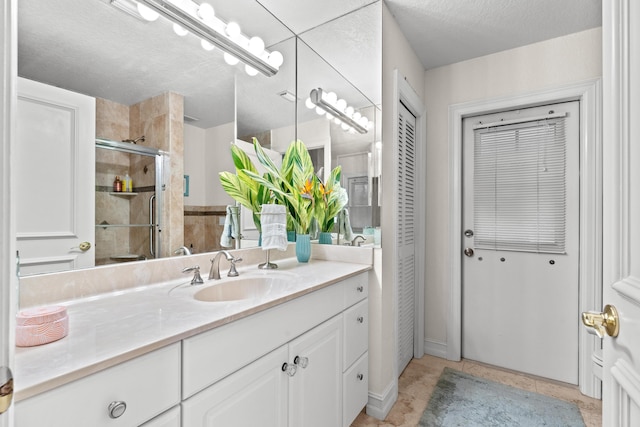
197	279
232	268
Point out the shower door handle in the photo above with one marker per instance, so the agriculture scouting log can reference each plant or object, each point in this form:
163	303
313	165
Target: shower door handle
152	230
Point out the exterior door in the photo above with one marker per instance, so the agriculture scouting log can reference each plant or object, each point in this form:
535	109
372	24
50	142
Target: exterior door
54	178
621	211
521	240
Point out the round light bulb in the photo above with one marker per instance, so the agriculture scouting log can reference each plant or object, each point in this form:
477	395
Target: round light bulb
250	70
320	111
233	29
147	13
230	59
179	30
206	45
341	104
352	131
205	12
345	126
356	116
363	122
256	45
337	121
332	98
329	116
349	111
310	105
276	59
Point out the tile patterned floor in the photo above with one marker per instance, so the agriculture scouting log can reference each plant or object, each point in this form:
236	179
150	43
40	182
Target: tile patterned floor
417	382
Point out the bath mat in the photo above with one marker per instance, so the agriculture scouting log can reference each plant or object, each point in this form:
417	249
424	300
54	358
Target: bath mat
460	399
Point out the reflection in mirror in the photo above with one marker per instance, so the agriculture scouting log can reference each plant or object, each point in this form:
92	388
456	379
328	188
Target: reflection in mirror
352	150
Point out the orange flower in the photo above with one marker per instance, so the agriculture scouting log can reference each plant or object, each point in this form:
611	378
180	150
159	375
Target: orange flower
307	189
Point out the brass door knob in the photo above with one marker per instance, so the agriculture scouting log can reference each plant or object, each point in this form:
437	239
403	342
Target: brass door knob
6	388
84	246
601	323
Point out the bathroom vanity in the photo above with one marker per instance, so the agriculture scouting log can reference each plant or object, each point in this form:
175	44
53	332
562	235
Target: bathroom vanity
293	355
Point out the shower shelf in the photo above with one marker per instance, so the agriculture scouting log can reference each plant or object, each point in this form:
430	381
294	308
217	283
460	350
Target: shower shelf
122	193
124	225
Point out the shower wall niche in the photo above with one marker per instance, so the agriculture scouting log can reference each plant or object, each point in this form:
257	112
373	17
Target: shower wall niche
128	223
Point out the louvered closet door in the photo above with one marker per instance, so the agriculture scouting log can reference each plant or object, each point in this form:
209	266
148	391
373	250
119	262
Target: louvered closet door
406	234
520	269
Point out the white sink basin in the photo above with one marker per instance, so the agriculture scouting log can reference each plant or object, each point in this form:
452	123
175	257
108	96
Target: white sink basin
239	289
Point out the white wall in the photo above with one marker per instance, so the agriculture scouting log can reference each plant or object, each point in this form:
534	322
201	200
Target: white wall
538	66
396	54
206	152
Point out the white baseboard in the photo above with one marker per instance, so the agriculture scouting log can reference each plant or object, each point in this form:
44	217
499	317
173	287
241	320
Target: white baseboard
435	348
379	406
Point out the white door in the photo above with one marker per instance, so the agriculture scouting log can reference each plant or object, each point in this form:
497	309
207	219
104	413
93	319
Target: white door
55	178
8	280
406	233
621	210
521	240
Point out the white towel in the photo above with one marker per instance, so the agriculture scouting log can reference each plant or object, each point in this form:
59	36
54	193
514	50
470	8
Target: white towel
345	225
225	238
273	221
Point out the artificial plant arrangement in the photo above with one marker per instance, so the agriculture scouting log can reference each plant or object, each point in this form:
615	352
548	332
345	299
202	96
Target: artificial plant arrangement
242	186
293	184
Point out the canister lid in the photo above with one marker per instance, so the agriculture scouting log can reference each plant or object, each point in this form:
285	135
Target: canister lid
40	315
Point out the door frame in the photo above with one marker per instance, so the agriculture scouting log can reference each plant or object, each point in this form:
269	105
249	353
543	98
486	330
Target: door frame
8	273
589	93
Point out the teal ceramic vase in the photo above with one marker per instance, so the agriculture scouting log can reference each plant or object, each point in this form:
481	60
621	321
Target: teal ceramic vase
303	247
291	236
325	238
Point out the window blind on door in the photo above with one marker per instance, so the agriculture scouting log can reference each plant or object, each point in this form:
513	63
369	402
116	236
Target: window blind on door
519	186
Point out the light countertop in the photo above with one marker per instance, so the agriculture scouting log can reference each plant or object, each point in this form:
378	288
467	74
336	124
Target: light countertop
109	329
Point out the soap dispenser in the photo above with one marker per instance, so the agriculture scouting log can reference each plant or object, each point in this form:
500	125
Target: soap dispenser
127	184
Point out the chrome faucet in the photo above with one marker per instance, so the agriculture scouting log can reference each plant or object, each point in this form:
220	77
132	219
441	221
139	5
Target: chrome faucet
182	249
360	242
214	273
197	279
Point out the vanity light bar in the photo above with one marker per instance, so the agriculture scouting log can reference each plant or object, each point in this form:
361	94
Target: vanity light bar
190	22
319	98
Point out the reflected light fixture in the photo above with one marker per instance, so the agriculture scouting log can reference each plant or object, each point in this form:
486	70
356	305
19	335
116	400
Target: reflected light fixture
337	110
200	20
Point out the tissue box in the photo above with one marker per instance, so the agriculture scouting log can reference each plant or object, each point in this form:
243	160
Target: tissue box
42	325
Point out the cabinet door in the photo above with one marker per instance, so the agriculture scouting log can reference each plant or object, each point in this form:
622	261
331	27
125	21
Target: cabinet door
315	391
256	395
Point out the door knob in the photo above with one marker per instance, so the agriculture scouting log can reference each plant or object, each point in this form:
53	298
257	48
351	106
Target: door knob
84	246
6	388
468	252
601	323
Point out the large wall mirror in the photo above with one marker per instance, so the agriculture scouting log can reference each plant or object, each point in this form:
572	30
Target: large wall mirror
190	105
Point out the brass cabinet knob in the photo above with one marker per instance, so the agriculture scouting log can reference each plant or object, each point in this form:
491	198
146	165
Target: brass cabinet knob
600	323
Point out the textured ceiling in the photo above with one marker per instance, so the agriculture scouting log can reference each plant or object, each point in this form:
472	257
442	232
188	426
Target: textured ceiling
444	32
90	47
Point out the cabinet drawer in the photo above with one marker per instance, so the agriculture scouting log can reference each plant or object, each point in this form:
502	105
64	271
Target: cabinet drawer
148	385
356	332
355	386
355	289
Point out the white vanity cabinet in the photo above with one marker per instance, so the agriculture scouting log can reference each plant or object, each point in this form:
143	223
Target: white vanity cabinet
292	364
128	394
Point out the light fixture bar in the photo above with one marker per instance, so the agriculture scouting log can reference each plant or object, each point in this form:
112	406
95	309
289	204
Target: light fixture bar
176	15
317	98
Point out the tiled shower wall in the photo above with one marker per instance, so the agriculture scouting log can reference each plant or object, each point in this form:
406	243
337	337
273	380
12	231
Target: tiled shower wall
160	120
203	227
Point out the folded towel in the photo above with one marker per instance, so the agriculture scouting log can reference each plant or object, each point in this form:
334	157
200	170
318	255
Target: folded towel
235	221
225	238
273	220
345	225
